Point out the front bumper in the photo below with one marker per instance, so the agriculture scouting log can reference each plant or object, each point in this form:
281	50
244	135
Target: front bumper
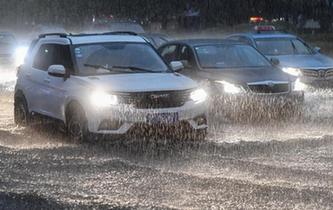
255	102
121	119
318	82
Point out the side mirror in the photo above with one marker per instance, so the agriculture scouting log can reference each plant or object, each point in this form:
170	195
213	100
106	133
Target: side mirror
317	49
57	71
275	61
177	65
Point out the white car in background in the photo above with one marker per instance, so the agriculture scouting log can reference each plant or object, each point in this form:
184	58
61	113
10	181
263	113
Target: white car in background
107	84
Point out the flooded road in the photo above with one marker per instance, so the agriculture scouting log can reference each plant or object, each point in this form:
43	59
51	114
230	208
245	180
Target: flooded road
279	165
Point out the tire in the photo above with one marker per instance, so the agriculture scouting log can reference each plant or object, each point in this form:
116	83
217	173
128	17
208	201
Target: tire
22	116
77	125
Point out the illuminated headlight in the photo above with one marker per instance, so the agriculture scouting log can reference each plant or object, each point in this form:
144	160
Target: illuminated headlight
230	88
298	85
292	71
20	54
199	96
101	99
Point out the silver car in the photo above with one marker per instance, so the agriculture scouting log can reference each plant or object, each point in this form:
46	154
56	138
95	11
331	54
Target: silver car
293	55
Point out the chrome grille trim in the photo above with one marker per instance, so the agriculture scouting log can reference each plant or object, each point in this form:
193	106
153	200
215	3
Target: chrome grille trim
269	87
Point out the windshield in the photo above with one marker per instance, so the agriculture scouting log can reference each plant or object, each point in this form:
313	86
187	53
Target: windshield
229	56
282	47
106	58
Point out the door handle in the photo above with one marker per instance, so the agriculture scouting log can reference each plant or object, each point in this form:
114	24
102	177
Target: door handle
47	80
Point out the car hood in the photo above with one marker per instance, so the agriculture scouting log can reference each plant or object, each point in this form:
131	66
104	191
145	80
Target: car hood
141	82
317	61
247	75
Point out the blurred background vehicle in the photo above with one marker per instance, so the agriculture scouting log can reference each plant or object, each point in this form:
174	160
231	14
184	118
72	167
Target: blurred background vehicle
294	55
8	46
236	74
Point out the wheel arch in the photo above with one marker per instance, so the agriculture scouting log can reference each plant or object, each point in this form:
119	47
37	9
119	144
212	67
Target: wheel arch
19	94
72	105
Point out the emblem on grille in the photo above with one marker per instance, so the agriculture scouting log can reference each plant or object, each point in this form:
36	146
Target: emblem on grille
270	84
158	96
322	73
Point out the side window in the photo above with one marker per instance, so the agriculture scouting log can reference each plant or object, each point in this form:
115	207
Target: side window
233	38
53	54
186	56
301	48
245	40
43	58
242	39
169	53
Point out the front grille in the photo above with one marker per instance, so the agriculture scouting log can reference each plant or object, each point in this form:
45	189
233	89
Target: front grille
329	73
269	88
156	100
310	73
319	73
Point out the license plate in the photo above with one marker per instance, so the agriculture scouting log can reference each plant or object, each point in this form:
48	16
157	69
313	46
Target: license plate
164	118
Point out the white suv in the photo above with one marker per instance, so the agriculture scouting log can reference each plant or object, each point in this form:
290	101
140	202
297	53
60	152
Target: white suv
106	84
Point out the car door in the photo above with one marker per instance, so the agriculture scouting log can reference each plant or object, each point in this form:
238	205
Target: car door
48	91
38	91
186	56
58	86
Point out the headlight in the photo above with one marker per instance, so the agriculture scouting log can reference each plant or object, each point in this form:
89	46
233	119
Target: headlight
292	71
299	86
199	96
230	88
20	54
101	99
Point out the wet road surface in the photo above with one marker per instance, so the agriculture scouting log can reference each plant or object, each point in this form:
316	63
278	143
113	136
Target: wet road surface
277	165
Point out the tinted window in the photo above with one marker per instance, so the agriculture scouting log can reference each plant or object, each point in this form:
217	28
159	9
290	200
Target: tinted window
186	56
53	54
229	56
169	53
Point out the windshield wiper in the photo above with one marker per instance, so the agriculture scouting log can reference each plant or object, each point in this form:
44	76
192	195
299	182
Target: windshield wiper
96	66
134	68
120	68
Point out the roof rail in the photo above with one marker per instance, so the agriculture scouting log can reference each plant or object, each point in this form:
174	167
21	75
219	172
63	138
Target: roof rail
62	35
120	33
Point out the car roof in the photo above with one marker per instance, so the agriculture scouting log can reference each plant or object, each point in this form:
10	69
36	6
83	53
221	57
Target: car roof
196	42
105	38
77	39
256	35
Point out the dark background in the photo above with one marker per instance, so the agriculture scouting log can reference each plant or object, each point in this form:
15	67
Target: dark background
78	13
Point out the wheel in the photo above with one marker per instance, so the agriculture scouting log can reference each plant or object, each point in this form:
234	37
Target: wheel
22	116
77	126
